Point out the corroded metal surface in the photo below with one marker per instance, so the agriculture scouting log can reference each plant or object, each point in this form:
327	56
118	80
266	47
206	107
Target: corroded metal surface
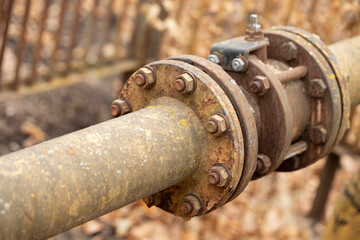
245	115
325	111
341	71
207	100
347	54
272	113
56	185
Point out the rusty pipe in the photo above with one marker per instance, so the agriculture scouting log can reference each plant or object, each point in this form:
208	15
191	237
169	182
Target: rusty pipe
61	183
347	53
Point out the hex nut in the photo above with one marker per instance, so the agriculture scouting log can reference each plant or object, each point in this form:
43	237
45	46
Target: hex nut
185	83
263	164
120	107
145	78
219	175
317	88
191	205
214	58
238	64
318	134
217	125
153	200
260	85
289	51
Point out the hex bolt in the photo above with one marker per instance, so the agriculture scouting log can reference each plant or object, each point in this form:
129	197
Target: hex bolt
219	175
289	51
140	79
260	85
120	107
191	205
185	83
217	124
238	64
317	88
263	164
253	23
214	58
153	200
145	78
318	134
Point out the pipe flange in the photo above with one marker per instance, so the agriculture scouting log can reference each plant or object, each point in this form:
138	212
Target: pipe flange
323	93
243	110
273	118
341	76
226	149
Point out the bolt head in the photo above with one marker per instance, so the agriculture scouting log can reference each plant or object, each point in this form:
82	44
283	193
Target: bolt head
318	134
140	79
289	51
317	88
120	107
238	64
211	126
153	200
217	125
191	205
185	83
214	58
180	84
263	164
253	23
145	78
260	85
219	175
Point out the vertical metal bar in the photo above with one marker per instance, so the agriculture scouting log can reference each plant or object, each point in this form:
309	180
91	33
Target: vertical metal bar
326	179
153	50
289	12
267	8
57	38
107	29
120	21
74	32
136	49
90	30
180	10
5	33
2	12
37	49
16	82
195	29
312	12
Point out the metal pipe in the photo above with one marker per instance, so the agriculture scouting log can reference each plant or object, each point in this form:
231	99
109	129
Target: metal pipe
61	183
347	53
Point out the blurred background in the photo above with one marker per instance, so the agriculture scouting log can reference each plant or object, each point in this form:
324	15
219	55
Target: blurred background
62	62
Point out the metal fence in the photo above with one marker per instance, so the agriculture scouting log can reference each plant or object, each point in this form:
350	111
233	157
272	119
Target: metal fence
44	39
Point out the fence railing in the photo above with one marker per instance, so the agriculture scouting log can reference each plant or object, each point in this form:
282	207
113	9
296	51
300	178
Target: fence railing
42	39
